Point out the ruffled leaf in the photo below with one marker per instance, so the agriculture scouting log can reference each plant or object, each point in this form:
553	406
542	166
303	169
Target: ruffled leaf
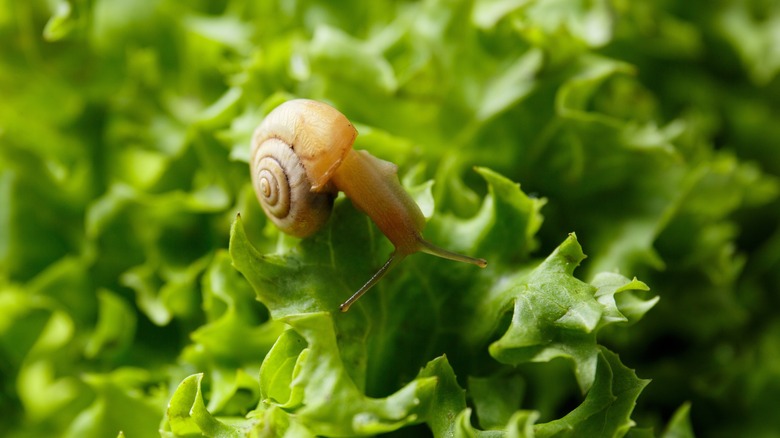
556	315
606	410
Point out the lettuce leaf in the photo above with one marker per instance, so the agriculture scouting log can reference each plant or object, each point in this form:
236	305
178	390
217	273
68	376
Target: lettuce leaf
316	371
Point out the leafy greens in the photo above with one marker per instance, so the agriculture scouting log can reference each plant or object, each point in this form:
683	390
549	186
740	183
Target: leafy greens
143	293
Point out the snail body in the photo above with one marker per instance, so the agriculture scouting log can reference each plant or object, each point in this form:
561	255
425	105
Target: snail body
302	156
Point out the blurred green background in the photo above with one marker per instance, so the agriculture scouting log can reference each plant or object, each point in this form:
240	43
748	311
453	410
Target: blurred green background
651	128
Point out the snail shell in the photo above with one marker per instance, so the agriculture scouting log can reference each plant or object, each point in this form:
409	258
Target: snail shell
284	190
295	152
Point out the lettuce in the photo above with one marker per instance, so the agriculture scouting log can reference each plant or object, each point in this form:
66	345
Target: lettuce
144	293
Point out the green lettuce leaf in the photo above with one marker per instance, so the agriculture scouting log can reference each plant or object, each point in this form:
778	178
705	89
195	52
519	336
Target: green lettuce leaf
556	315
320	364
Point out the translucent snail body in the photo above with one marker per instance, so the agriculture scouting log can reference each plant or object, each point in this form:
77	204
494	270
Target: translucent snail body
302	156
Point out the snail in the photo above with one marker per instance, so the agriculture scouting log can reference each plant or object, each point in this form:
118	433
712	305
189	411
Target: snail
302	156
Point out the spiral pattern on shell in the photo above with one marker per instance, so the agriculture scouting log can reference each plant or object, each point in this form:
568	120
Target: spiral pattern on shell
284	191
